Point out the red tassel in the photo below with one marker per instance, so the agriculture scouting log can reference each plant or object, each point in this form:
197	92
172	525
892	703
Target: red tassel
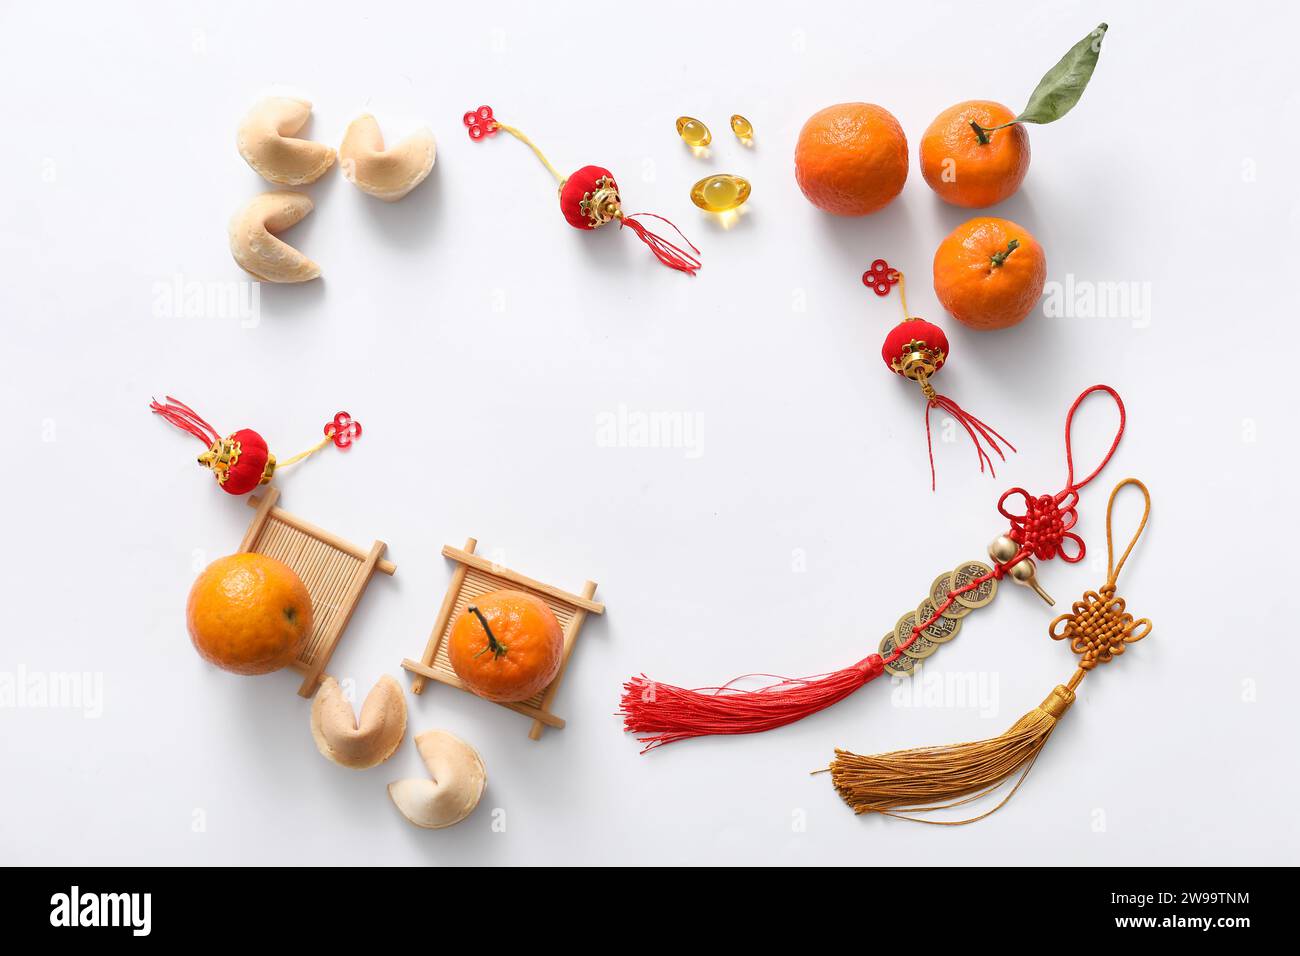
668	714
186	419
976	429
670	255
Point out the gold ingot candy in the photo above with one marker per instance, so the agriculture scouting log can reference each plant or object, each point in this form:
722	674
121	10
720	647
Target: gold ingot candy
720	192
742	127
693	132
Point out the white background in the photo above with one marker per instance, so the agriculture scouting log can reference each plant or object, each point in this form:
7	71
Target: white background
479	339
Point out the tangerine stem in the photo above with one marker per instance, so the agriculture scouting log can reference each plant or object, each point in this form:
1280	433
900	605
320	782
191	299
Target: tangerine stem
496	647
1000	257
982	132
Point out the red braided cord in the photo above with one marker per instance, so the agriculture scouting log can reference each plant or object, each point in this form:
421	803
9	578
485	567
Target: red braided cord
1070	484
998	571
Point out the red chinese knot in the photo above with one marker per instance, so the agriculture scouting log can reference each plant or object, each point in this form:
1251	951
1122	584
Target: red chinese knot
343	430
1044	526
480	123
880	277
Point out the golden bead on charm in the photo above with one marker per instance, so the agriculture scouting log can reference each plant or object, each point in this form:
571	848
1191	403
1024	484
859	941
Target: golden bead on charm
1002	549
742	127
1026	573
720	192
694	133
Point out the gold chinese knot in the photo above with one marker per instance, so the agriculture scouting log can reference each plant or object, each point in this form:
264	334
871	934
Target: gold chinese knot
1099	626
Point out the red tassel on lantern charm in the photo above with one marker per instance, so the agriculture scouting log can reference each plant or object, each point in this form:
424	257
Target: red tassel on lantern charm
241	461
917	349
589	198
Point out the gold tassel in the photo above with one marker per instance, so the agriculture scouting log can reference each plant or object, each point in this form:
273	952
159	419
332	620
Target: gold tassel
917	780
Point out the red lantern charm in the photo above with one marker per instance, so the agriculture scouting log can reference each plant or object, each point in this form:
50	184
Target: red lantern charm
241	461
917	349
589	198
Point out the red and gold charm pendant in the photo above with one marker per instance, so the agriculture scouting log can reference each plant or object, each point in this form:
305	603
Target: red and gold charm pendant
589	197
241	461
917	349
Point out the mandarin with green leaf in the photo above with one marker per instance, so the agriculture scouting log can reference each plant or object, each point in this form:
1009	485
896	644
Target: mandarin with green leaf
969	168
976	153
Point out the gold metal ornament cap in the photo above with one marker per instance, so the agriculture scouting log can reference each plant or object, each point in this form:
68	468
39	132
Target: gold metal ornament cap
221	457
915	348
918	360
602	204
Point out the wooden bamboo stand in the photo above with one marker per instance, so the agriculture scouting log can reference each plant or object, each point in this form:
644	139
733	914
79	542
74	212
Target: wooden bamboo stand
474	576
335	572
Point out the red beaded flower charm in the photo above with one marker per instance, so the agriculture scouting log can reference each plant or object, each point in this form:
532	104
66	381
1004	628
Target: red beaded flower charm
880	277
480	123
343	430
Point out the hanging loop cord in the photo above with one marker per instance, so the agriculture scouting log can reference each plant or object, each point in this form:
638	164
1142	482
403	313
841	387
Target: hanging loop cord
924	779
523	138
329	437
1113	569
666	713
902	295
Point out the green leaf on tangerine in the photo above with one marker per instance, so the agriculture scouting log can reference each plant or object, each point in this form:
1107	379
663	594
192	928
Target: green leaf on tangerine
1062	85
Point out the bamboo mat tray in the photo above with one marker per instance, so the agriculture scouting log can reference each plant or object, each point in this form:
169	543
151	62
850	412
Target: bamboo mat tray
335	572
474	576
